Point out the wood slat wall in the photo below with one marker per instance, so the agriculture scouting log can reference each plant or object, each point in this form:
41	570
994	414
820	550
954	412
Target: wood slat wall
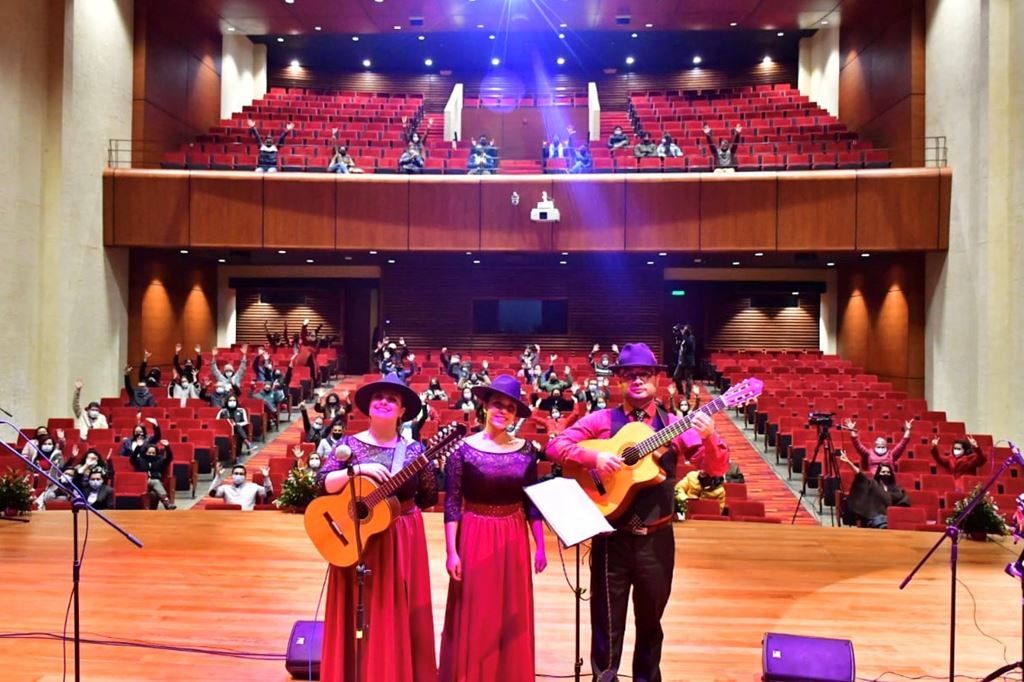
734	324
433	307
322	306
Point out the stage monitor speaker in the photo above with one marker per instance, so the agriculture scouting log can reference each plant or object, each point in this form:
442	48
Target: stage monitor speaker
793	658
304	644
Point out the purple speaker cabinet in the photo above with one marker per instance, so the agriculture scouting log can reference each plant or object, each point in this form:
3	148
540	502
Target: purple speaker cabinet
793	658
304	644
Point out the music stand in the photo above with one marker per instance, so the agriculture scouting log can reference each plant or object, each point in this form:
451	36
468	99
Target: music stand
574	518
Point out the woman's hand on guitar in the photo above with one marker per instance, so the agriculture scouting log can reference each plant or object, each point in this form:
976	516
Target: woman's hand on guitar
703	425
454	567
378	472
607	463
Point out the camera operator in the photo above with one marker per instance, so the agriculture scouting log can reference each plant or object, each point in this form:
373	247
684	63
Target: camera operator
686	359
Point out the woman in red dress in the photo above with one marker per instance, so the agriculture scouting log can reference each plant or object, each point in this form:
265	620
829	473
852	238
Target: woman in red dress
488	625
398	645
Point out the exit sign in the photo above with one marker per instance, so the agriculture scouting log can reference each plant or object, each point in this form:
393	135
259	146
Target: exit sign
679	292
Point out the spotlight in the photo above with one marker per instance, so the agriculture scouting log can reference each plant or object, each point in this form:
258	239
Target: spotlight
697	59
421	37
495	61
780	34
318	28
629	60
295	64
634	35
222	260
309	260
280	40
282	251
767	59
428	61
560	61
355	39
366	63
561	36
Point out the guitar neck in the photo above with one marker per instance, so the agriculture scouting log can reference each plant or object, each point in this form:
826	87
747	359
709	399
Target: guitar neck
398	480
666	435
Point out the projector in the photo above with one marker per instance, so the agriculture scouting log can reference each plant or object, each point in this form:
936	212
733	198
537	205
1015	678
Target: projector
545	212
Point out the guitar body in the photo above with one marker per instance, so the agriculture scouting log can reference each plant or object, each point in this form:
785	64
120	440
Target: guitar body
331	521
621	487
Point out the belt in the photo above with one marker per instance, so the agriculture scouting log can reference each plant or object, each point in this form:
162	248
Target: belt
408	506
636	527
481	509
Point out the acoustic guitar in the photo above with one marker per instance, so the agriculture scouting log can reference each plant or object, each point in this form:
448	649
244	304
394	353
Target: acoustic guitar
634	442
331	519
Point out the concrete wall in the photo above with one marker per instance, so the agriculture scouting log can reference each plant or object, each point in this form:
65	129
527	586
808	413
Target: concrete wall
973	346
818	77
67	83
243	73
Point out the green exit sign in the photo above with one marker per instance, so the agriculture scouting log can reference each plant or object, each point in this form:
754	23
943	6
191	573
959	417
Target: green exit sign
679	292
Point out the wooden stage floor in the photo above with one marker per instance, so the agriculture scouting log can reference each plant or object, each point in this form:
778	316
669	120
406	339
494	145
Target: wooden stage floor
239	580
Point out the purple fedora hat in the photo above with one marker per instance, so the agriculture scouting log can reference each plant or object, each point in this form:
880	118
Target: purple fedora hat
509	387
637	355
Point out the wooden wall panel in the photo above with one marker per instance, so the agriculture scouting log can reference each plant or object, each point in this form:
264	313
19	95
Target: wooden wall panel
736	323
298	211
372	213
507	227
898	209
608	302
108	207
593	213
662	214
226	209
444	212
321	306
151	208
738	211
817	210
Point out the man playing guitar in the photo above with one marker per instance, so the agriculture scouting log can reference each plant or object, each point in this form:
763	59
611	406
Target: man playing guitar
641	552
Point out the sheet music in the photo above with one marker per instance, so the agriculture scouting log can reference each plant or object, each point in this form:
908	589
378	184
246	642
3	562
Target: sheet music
568	510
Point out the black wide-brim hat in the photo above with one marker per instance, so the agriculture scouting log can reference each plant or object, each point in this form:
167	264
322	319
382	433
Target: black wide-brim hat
635	355
509	387
410	400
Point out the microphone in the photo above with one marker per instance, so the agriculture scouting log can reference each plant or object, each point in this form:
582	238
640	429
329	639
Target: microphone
342	453
1015	453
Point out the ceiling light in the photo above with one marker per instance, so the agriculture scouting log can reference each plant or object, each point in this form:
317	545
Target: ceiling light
491	37
469	253
495	61
830	264
378	1
780	34
309	260
476	262
648	25
650	262
565	253
732	23
391	261
348	257
735	262
366	63
428	61
421	37
318	28
479	25
796	293
824	22
355	39
295	64
698	260
562	262
282	251
183	251
634	35
697	59
289	2
561	36
629	60
231	29
759	254
767	60
280	40
560	61
397	27
563	26
663	253
222	260
865	255
373	253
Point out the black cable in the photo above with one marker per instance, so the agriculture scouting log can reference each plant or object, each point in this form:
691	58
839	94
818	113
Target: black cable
974	614
71	596
141	644
568	582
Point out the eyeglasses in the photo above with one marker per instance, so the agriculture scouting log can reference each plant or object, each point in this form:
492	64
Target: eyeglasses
633	376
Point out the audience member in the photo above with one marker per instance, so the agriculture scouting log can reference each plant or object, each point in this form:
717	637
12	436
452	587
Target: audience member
411	162
881	452
150	376
466	403
724	153
668	147
267	161
138	396
870	498
603	365
686	360
98	493
90	417
679	403
68	479
965	459
584	162
341	161
190	370
229	376
700	485
617	140
316	430
239	420
239	491
480	163
154	460
140	438
328	444
434	391
645	147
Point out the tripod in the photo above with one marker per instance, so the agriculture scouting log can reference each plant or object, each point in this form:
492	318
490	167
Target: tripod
828	482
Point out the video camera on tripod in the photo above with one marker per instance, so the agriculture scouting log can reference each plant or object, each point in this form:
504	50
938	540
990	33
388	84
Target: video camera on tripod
821	419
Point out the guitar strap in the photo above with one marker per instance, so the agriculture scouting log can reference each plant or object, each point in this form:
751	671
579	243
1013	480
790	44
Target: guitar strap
398	460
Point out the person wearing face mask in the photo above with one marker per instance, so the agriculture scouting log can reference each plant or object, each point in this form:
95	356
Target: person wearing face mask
333	439
488	520
334	406
139	395
640	555
312	465
316	430
149	377
965	458
434	391
98	493
239	491
154	460
466	403
397	597
182	388
229	375
668	147
272	392
530	356
724	153
190	370
452	363
140	438
880	452
51	452
239	420
90	417
869	498
556	400
68	477
93	460
679	404
602	365
33	447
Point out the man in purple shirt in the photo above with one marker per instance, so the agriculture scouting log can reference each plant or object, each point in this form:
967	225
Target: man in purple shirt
640	554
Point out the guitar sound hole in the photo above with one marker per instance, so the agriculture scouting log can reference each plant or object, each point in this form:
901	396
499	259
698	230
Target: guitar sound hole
630	456
362	511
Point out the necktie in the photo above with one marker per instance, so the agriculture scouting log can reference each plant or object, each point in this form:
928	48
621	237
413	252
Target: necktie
640	416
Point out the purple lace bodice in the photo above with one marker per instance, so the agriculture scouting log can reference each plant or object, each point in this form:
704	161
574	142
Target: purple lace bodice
489	478
423	487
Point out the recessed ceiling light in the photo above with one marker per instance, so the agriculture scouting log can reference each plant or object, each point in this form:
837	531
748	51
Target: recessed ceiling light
469	253
280	40
289	2
565	253
796	293
282	251
231	29
732	23
561	36
184	251
391	260
373	253
648	25
560	61
355	39
824	22
222	260
759	254
780	34
309	260
397	27
348	257
479	25
663	253
698	260
421	37
295	64
830	264
476	262
495	61
491	37
378	1
767	60
650	262
563	26
629	60
735	262
318	28
697	59
634	35
366	63
865	255
428	61
562	262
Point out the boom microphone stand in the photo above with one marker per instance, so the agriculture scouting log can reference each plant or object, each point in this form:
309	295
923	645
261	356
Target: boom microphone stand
78	503
953	533
358	514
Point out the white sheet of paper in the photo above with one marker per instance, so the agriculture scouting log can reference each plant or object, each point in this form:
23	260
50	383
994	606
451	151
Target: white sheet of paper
568	510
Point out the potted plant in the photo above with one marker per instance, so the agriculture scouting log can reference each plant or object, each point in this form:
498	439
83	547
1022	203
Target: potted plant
983	520
15	493
297	491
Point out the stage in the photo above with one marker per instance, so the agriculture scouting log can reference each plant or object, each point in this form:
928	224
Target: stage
233	580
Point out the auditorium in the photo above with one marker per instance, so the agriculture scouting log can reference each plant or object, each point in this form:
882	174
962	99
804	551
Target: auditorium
512	340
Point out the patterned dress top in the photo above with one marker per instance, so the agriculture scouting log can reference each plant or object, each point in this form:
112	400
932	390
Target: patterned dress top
480	477
422	488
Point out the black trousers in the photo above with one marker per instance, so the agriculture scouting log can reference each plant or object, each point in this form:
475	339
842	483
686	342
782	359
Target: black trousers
683	379
618	562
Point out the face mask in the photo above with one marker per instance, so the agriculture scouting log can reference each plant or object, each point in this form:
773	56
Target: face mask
229	373
958	452
337	435
881	450
184	384
266	388
556	414
151	453
318	424
238	479
95	485
600	406
314	464
221	390
93	414
47	449
232	404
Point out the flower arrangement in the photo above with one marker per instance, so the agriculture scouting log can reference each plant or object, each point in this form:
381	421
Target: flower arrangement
15	493
297	491
682	502
984	519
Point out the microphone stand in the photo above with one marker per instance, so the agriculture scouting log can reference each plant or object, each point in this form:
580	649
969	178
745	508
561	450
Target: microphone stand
78	503
361	570
953	533
1015	570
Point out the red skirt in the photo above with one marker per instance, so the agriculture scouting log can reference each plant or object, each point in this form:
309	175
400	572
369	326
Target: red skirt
399	643
488	624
